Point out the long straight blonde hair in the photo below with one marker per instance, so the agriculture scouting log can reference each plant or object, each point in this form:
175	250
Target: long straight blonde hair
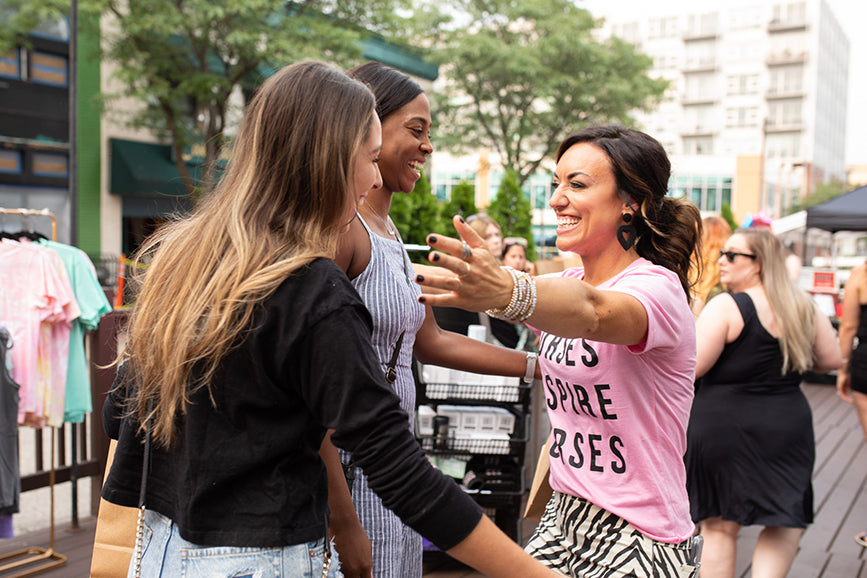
278	206
793	309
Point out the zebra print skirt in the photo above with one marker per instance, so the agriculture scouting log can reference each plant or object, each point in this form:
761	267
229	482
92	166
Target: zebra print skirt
577	538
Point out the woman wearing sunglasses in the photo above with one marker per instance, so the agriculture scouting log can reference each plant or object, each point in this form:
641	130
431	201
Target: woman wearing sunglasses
750	446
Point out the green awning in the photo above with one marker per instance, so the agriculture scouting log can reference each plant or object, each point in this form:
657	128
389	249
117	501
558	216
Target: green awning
399	58
144	169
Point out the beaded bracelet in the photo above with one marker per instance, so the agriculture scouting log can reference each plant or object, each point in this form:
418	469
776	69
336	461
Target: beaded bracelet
523	300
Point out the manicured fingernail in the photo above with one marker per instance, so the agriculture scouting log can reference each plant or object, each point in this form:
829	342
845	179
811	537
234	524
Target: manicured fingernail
432	239
462	219
436	257
421	299
419	278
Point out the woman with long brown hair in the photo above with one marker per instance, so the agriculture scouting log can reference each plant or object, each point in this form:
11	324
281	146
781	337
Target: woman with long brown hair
247	343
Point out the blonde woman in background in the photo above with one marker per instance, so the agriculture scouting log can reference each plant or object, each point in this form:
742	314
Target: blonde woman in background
852	375
750	446
489	230
715	232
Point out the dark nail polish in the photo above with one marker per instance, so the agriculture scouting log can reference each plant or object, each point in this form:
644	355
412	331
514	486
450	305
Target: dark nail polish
462	219
432	239
436	256
419	278
421	299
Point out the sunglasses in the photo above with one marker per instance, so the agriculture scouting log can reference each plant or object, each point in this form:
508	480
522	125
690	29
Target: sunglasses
515	241
730	255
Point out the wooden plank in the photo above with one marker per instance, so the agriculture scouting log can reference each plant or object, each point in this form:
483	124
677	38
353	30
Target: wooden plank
843	566
842	491
821	400
856	519
809	563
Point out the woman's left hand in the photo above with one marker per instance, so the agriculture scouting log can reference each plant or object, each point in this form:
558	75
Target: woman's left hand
471	278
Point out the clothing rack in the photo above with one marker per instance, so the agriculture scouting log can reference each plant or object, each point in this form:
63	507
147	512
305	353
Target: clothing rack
34	213
36	559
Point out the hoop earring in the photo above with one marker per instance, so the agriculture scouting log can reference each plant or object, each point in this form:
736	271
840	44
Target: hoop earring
627	232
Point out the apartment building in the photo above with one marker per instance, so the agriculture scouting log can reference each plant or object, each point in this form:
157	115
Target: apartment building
756	112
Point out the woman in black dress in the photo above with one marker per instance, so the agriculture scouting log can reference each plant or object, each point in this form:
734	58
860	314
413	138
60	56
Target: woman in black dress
852	375
750	446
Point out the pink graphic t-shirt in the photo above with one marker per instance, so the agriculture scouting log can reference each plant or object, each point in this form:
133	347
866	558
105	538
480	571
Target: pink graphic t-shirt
619	414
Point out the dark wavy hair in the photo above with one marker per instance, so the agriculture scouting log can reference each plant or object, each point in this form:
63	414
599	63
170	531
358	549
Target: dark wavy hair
669	229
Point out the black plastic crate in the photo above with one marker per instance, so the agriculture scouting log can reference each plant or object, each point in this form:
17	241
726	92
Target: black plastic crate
483	446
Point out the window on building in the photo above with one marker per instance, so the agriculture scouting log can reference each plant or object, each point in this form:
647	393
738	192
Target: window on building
701	54
56	29
783	145
540	196
703	24
742	84
698	146
47	68
443	183
10	65
726	193
701	86
50	164
742	117
785	112
10	161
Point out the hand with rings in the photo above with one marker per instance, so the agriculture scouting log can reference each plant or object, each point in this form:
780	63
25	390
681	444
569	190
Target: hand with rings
458	283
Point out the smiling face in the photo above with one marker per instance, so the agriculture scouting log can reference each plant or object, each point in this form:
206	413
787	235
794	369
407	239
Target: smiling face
365	168
742	272
406	145
588	206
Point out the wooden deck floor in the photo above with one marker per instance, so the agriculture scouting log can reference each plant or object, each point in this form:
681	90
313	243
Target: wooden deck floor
828	549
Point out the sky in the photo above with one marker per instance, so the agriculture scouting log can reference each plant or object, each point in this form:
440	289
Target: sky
851	14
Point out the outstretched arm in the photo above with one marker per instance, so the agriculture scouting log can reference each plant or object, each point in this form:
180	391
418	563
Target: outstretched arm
436	346
491	552
565	307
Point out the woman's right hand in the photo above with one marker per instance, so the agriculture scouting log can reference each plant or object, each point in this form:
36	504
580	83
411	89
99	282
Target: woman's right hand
473	283
353	548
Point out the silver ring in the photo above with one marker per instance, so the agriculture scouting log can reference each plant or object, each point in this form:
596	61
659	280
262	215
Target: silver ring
467	251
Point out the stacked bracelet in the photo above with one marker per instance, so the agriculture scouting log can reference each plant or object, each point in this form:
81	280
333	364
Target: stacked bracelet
523	302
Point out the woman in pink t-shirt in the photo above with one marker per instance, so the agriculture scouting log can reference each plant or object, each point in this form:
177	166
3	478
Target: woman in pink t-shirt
617	352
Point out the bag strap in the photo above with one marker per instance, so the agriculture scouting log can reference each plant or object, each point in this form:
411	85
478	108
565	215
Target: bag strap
390	371
145	466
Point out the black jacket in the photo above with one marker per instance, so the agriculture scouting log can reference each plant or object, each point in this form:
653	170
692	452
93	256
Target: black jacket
247	472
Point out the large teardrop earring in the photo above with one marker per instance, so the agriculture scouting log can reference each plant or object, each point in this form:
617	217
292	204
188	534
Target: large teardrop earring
626	233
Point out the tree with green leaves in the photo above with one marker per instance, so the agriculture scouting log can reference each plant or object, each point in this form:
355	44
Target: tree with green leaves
22	17
824	191
417	215
727	214
511	210
520	76
462	202
183	60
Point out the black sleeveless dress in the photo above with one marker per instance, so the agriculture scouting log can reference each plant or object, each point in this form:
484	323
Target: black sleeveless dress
750	445
858	363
